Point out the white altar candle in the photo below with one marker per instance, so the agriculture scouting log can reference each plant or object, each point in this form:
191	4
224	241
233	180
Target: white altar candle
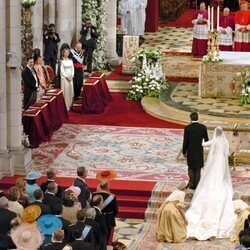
218	18
212	19
208	19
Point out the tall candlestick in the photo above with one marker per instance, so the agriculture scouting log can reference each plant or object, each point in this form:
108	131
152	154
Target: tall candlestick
218	18
212	19
208	19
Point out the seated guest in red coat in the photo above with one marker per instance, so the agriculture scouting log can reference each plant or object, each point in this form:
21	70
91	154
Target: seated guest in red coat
85	195
31	83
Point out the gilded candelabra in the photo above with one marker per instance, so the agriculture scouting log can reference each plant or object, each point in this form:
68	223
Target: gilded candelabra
213	51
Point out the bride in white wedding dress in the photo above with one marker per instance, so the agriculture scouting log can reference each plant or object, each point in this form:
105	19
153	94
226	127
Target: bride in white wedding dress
211	212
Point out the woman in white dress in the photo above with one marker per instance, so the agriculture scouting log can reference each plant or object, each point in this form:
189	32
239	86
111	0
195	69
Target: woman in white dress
67	74
211	212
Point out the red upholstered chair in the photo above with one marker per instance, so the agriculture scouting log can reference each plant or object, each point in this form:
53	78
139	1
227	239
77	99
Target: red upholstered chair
50	76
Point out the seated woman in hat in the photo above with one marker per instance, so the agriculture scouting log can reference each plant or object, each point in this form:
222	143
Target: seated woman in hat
171	221
31	185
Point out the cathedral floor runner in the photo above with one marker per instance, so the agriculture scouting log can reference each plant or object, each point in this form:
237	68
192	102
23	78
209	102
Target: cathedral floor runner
121	112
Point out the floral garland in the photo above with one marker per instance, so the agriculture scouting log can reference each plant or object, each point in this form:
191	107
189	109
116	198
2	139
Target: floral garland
96	11
150	79
245	83
28	3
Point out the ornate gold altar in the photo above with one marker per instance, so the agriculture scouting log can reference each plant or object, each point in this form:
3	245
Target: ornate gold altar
220	79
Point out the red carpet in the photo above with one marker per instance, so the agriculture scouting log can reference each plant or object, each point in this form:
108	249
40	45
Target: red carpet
132	196
117	75
183	21
121	112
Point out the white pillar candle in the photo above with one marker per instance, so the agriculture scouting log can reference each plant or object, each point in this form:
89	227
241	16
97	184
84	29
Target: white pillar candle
208	19
218	18
212	19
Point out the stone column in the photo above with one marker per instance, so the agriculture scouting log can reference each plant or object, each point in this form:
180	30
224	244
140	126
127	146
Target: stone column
78	18
3	110
22	157
3	113
111	31
37	23
52	11
65	20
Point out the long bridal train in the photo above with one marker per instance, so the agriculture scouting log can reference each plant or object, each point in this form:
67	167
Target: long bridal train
211	212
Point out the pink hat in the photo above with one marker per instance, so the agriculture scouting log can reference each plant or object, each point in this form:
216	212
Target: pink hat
75	190
26	237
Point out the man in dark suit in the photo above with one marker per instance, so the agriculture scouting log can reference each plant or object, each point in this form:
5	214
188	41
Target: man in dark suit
6	216
97	203
50	199
90	215
50	39
58	209
79	243
109	209
57	241
192	148
31	83
85	195
88	39
51	175
88	234
39	201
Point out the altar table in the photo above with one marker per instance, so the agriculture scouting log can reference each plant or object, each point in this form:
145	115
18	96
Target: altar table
220	79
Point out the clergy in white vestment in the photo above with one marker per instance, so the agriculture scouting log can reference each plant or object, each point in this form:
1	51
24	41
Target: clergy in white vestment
129	16
141	15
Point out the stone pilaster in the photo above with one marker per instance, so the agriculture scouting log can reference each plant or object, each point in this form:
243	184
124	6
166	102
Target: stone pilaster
78	19
52	11
3	109
65	20
37	23
111	31
21	157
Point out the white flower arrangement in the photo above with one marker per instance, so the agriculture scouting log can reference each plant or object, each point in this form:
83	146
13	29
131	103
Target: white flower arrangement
245	84
152	56
149	81
28	3
96	11
211	59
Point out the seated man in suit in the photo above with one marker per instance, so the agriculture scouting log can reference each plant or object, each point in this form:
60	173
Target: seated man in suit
39	198
85	195
79	243
90	215
31	83
109	209
87	230
50	199
51	175
97	203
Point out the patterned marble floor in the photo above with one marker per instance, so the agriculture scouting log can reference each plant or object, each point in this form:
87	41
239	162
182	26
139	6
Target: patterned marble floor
184	96
126	230
170	39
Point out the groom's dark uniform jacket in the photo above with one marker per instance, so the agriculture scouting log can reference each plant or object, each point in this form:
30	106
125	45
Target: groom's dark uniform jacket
192	144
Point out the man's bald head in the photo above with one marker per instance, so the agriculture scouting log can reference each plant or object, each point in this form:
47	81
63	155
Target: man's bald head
226	11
